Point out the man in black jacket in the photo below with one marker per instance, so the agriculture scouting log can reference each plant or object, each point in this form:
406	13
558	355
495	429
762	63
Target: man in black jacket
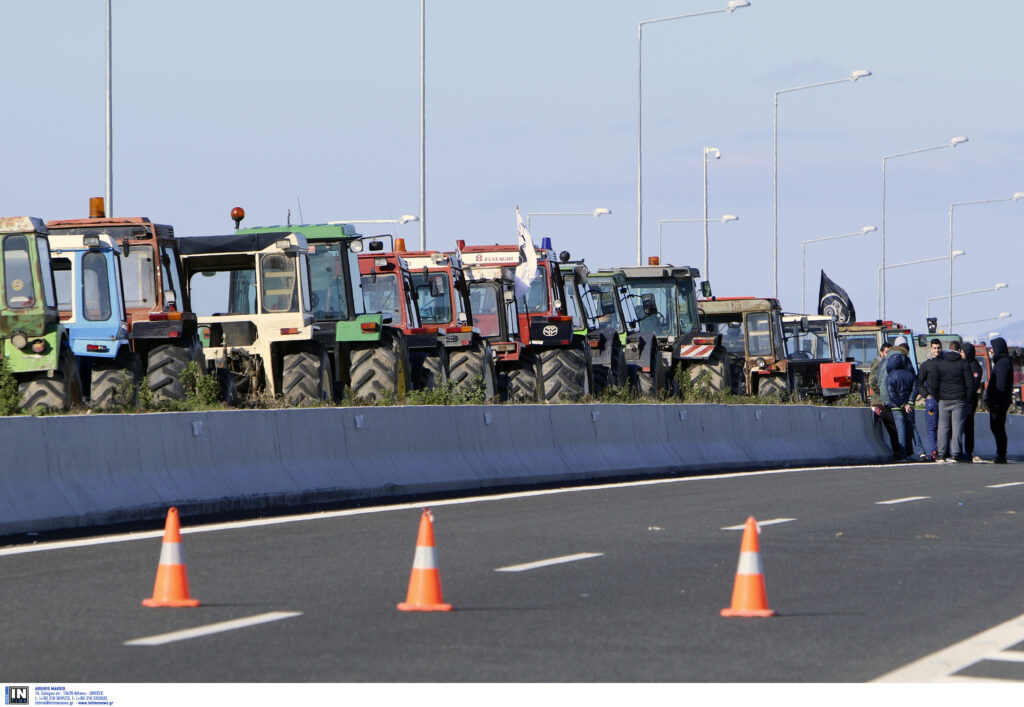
999	395
925	384
972	400
954	380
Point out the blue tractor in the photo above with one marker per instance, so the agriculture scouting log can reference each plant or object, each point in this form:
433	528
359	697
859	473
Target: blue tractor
87	271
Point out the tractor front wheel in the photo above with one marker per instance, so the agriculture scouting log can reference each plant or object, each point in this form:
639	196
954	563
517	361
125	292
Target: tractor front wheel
305	378
380	371
60	392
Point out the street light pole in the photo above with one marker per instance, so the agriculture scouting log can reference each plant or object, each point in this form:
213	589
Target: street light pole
1015	197
423	126
724	219
860	73
407	218
803	257
730	7
718	156
110	128
952	143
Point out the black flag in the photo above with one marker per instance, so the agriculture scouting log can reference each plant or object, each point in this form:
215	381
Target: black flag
834	302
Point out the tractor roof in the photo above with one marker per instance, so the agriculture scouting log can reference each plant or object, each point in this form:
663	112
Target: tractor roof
234	243
22	224
312	231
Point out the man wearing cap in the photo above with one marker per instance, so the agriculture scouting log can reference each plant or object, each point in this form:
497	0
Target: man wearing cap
902	345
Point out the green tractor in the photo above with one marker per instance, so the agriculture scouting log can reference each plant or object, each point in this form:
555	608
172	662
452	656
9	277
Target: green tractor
34	345
367	350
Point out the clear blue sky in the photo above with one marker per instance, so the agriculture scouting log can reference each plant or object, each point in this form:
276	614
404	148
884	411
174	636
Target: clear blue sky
265	104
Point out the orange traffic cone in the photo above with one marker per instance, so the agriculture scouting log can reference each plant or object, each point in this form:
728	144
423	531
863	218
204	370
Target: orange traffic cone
425	581
748	595
171	587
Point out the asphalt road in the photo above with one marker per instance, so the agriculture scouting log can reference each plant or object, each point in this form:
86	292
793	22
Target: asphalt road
862	588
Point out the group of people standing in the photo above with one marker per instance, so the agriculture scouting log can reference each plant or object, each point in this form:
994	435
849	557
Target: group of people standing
952	385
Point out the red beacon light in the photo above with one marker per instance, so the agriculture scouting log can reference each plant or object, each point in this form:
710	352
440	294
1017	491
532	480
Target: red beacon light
237	214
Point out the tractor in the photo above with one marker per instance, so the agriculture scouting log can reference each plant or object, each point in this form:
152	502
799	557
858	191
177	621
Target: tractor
161	325
539	356
751	331
87	272
34	344
255	304
367	351
445	308
667	309
817	366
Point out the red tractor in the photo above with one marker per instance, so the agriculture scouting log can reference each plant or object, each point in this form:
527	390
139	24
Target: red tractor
539	357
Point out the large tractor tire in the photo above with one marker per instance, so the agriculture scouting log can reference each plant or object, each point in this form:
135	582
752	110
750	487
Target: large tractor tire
470	364
565	373
115	382
432	370
306	378
519	382
650	384
615	373
719	373
166	364
771	387
382	370
61	392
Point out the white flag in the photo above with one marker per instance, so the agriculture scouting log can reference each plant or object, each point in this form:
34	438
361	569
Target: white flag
527	268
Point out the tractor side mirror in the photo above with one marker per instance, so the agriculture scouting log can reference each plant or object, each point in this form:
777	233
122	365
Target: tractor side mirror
805	326
705	289
649	305
437	288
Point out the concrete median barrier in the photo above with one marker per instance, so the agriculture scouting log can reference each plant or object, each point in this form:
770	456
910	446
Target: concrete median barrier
77	471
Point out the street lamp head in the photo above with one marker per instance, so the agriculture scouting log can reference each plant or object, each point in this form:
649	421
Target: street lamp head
729	217
859	74
958	253
735	5
709	150
1000	285
408	217
1018	195
601	212
957	140
868	229
1005	315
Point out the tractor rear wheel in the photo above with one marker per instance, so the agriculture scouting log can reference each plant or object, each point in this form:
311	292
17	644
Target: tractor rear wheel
433	369
305	378
468	364
771	387
649	384
166	364
519	382
382	370
615	373
719	374
565	373
115	382
61	392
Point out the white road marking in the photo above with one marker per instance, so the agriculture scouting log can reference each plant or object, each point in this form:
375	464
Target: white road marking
908	499
773	521
1002	486
209	629
941	666
549	562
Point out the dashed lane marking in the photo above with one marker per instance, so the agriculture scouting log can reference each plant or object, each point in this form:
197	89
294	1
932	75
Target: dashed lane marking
908	499
992	645
547	563
220	627
1003	486
773	521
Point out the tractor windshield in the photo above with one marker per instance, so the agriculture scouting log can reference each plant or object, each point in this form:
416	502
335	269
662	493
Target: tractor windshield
435	297
605	295
862	348
19	283
483	298
677	309
280	293
731	331
95	287
380	296
812	344
327	276
536	300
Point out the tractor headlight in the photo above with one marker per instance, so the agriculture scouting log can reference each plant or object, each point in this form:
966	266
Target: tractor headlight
19	340
761	363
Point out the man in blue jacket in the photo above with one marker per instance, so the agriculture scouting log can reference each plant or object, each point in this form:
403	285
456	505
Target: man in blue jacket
999	395
901	383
